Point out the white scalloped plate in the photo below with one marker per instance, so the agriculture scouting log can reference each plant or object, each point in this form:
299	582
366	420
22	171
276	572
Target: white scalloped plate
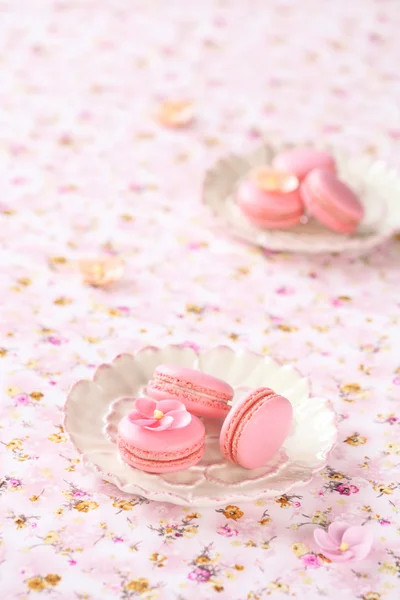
377	185
94	408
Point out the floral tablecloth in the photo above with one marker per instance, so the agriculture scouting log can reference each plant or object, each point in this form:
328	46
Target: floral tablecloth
86	171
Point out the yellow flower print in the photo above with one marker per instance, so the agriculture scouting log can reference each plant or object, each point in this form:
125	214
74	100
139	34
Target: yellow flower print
37	396
371	596
391	447
36	584
203	560
123	504
279	587
383	489
388	567
319	517
140	584
232	512
62	301
218	588
85	506
20	522
284	502
251	544
193	516
350	388
238	567
336	476
15	444
51	538
356	440
52	579
299	549
57	438
265	521
324	558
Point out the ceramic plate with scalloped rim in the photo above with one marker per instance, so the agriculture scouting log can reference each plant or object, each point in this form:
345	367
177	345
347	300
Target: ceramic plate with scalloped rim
377	185
94	408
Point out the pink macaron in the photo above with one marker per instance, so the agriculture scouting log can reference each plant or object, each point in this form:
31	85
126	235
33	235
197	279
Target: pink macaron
300	161
256	428
203	395
270	199
331	201
160	437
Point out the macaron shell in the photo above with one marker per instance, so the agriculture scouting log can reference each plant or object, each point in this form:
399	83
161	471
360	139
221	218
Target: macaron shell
160	466
269	205
196	380
331	201
262	432
195	404
300	161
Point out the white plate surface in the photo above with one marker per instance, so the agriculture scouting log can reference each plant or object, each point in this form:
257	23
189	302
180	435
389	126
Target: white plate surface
377	185
94	408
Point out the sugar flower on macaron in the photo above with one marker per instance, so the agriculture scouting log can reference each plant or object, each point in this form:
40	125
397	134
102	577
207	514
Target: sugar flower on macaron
343	542
158	416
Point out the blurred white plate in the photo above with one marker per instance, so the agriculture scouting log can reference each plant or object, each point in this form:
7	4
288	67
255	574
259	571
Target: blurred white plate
376	183
94	408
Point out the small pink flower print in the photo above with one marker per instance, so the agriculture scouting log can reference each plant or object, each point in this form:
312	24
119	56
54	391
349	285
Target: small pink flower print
384	522
33	525
310	560
344	542
158	416
199	574
227	531
22	399
392	420
296	504
56	340
346	490
336	302
117	540
14	482
285	291
194	246
72	562
79	494
396	381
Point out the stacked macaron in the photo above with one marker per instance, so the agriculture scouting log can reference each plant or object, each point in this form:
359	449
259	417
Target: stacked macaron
165	431
299	181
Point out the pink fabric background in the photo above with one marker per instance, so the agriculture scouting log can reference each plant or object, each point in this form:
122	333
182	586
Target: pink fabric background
85	170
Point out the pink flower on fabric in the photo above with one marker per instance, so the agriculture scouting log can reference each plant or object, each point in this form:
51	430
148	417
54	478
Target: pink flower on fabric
199	574
310	560
344	542
22	399
346	490
158	416
227	531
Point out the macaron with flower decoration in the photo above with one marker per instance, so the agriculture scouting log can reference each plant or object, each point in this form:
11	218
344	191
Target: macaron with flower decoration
270	198
160	437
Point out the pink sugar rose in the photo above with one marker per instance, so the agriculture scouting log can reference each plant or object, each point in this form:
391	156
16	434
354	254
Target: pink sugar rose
396	381
158	416
344	542
79	494
14	482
